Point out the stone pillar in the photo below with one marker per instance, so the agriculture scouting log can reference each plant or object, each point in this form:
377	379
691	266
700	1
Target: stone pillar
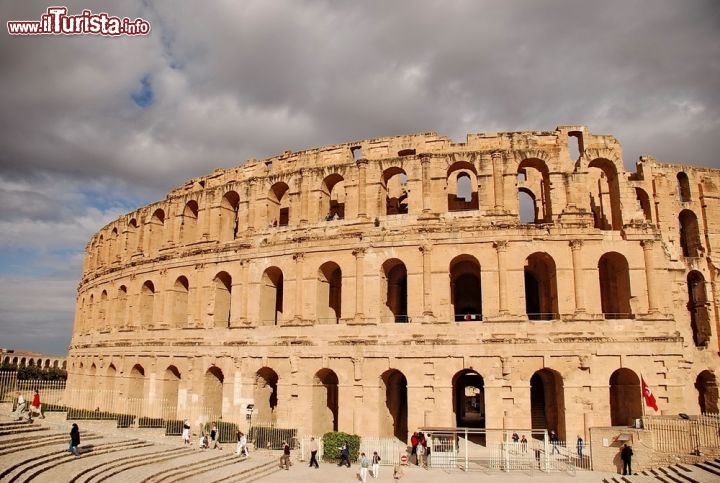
252	204
244	292
362	184
304	195
298	257
499	193
501	248
647	246
578	281
359	284
426	195
169	229
426	250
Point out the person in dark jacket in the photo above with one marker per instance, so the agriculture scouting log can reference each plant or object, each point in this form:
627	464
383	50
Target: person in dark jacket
344	455
74	440
626	456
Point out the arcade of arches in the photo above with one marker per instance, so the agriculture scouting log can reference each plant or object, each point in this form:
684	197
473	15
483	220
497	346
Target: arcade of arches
519	280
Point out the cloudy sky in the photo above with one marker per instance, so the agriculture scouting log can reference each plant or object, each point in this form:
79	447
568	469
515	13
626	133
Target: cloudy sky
92	127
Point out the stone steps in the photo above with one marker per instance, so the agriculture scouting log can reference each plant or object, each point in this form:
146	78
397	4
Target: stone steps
149	455
33	463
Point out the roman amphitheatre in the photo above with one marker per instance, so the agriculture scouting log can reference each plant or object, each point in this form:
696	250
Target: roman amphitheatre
514	280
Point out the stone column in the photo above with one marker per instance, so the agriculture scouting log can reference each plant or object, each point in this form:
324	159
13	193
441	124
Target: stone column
501	248
298	257
647	246
499	193
362	184
245	291
359	284
578	281
169	228
304	195
426	250
252	203
426	195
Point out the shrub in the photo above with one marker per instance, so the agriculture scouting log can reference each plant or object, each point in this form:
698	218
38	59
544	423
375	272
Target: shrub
333	441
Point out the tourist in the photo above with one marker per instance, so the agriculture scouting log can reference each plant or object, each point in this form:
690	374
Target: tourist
364	465
626	456
313	453
186	432
413	445
285	458
554	440
22	408
375	464
515	438
215	437
523	443
74	440
344	455
36	407
420	454
241	444
580	444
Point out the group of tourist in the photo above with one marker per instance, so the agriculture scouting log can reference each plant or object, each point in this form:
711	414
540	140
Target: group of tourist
21	409
420	449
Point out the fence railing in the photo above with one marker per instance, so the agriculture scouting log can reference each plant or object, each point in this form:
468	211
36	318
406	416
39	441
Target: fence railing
694	435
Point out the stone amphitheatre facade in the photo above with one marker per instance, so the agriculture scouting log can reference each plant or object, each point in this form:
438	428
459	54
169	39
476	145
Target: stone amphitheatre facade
517	280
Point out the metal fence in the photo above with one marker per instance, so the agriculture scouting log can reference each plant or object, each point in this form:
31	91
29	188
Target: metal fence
51	392
694	435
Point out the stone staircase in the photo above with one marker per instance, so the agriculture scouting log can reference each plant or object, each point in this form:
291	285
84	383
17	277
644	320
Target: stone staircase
705	472
37	452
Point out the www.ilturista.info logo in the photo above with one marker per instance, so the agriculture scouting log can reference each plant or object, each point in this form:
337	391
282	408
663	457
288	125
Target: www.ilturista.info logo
57	22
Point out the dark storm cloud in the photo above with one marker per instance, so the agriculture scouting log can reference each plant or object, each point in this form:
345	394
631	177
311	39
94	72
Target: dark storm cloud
91	127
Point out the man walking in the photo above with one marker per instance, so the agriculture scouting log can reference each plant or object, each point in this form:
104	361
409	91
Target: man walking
313	453
285	458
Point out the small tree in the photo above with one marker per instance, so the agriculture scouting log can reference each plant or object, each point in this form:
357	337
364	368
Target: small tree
334	440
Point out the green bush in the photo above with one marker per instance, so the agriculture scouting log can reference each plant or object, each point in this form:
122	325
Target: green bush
333	441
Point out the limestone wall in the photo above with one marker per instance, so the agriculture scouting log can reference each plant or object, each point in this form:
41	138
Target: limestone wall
507	281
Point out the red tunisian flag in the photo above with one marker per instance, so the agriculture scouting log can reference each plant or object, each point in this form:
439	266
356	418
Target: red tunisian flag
648	395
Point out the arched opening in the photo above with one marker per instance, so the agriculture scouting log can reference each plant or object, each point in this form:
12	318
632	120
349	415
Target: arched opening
171	387
469	399
329	293
147	304
395	189
132	236
689	234
395	279
707	388
325	402
394	417
223	291
625	395
615	295
265	395
605	198
644	202
462	187
213	392
136	385
465	288
189	224
278	205
536	183
112	255
683	187
528	207
102	310
541	298
155	229
121	306
547	402
698	307
228	216
181	289
332	197
271	296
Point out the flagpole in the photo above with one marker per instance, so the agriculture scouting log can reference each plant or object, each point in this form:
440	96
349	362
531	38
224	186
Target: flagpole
642	398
